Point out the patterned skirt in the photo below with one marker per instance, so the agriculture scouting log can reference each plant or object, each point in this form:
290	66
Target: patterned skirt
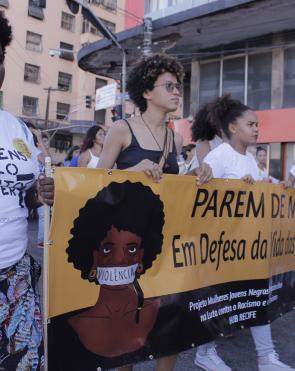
21	341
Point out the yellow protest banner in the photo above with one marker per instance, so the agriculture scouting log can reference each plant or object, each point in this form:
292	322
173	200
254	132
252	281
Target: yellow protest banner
214	249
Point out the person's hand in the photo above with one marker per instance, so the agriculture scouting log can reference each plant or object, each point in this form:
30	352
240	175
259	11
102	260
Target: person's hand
46	190
248	179
37	132
151	169
203	173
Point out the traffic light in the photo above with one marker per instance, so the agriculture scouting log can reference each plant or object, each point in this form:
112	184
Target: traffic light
88	101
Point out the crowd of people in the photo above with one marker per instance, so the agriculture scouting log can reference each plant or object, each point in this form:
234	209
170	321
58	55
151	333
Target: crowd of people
222	131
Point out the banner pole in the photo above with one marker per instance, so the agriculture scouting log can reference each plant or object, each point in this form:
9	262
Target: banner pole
48	173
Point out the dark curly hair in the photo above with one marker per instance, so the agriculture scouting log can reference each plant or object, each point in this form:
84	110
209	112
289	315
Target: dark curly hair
144	74
90	137
215	117
127	206
5	32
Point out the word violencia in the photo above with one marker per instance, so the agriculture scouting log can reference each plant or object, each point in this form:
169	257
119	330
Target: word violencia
241	204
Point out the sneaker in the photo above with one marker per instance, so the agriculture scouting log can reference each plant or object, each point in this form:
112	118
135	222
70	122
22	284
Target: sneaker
210	361
271	363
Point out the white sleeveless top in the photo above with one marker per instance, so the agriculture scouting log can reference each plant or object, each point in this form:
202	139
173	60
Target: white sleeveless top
92	164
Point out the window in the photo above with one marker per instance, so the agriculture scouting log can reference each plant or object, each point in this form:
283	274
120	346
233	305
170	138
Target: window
30	106
289	78
4	3
68	21
62	110
64	81
110	5
35	11
209	81
234	77
1	99
34	41
66	55
259	81
88	27
32	73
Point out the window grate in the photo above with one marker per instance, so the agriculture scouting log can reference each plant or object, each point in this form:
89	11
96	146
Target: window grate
64	81
34	41
32	73
30	106
68	21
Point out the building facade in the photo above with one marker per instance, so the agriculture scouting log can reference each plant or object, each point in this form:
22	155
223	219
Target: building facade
241	47
259	71
43	55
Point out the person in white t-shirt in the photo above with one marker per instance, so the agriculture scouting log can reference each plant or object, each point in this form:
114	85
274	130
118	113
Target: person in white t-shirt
291	178
261	157
231	160
21	345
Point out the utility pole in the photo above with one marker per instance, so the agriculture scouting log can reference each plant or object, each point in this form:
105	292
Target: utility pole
147	35
49	90
47	107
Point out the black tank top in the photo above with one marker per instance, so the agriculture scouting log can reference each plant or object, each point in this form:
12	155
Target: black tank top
133	154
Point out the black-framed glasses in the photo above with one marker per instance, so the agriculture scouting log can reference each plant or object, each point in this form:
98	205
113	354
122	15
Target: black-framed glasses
170	86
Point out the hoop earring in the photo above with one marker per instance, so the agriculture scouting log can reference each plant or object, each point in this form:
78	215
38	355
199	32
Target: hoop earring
92	275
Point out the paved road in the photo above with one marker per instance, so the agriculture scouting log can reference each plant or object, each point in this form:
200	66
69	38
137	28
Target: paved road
238	351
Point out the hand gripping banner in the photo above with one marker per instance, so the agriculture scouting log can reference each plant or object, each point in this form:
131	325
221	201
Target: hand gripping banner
140	270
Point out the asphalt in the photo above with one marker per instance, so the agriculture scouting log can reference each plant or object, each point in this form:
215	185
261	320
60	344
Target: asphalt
238	351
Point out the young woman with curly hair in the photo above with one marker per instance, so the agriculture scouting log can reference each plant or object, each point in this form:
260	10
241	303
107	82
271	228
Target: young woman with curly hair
144	143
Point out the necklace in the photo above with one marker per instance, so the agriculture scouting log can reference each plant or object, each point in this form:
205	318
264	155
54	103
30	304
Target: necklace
152	134
164	151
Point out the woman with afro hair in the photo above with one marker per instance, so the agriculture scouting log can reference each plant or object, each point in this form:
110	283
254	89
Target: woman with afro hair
115	239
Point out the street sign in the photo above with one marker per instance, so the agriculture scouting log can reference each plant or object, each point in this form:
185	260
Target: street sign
119	98
105	96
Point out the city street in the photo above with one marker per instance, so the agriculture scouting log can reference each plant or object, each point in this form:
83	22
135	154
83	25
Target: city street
238	351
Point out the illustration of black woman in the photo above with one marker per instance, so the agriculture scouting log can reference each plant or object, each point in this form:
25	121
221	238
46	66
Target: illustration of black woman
116	238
